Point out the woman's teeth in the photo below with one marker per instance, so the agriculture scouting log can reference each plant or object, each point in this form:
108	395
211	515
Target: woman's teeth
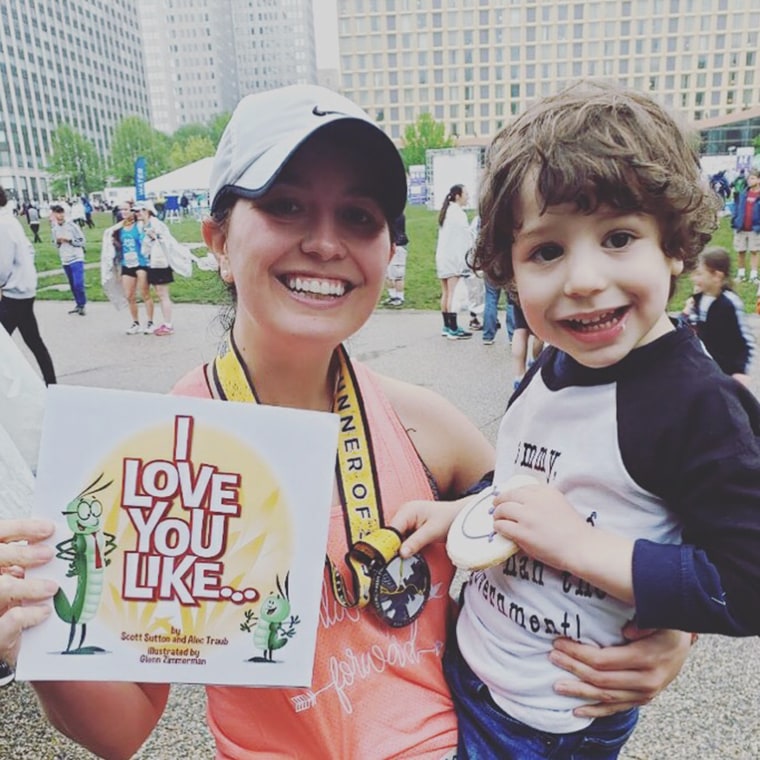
316	286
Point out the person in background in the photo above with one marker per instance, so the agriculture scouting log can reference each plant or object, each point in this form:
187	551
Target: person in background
87	212
33	218
454	241
18	287
525	345
396	274
746	224
128	240
69	240
717	314
155	236
304	192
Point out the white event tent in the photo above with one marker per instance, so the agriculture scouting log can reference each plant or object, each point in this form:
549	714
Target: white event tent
193	177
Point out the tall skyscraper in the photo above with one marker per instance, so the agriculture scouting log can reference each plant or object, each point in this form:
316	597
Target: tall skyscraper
475	63
78	62
202	56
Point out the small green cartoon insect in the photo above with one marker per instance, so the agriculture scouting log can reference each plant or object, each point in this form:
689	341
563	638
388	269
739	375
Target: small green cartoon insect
87	552
270	632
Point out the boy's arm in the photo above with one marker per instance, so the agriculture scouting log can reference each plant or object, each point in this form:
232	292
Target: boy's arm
547	527
425	522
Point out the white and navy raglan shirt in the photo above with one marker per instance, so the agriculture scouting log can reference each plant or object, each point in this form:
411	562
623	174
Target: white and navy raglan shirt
662	447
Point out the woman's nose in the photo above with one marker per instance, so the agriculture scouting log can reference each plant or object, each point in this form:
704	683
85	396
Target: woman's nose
322	238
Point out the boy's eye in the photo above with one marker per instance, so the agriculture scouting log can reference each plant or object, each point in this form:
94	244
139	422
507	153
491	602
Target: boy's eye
547	253
618	240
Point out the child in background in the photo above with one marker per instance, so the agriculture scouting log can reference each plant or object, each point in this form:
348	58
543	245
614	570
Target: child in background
717	314
648	505
396	273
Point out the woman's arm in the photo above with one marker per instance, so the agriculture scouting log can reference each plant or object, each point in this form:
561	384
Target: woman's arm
112	720
620	677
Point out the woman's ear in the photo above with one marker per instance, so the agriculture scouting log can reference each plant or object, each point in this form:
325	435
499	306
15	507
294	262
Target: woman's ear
216	241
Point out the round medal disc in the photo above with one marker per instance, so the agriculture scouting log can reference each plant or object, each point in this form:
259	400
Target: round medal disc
400	589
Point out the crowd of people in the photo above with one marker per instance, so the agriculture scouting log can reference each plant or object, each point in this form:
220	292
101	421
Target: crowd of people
651	525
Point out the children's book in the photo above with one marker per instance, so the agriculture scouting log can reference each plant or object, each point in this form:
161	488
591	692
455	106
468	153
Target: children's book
190	540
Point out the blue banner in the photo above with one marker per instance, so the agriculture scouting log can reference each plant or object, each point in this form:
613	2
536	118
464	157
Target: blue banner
140	166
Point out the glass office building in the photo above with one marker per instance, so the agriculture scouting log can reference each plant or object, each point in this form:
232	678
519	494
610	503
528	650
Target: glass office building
78	62
473	64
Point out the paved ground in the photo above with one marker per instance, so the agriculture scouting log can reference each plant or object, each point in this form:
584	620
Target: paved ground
710	712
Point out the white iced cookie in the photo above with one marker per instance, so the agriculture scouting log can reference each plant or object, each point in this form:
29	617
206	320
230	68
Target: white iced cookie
472	543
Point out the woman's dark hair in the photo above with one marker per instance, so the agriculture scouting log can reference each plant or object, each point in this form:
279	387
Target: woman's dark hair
454	193
3	197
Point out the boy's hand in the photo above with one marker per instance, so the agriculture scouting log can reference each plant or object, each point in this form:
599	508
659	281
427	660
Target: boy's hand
545	525
542	522
426	522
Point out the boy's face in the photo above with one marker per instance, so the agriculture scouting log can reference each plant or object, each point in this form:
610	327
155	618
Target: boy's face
594	285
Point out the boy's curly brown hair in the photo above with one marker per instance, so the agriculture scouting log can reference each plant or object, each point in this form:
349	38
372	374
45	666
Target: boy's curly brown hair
592	144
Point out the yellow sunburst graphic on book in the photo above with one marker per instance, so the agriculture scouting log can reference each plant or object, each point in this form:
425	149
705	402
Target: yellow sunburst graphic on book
201	529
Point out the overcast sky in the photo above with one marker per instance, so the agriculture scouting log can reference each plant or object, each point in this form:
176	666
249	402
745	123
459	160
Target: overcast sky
326	32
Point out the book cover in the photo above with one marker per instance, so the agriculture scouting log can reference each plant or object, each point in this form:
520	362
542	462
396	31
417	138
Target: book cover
190	539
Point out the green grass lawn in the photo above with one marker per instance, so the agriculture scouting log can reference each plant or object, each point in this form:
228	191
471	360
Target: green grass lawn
422	287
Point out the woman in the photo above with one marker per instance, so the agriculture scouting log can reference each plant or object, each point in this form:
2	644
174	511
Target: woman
156	236
454	241
303	193
128	244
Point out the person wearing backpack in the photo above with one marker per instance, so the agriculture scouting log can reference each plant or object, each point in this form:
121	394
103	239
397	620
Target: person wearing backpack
69	239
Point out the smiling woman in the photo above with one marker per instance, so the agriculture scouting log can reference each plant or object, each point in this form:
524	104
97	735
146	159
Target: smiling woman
303	191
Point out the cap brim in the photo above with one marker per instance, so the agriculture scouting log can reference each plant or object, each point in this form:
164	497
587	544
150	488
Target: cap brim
262	174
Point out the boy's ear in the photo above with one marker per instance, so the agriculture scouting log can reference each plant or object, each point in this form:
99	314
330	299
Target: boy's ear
676	266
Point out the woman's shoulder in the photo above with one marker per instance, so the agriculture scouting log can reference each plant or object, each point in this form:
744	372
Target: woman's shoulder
451	446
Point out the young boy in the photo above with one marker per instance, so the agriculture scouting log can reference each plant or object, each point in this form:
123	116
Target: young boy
646	453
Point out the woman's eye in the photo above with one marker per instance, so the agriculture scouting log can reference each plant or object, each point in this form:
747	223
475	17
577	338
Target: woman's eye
282	206
362	217
619	239
547	253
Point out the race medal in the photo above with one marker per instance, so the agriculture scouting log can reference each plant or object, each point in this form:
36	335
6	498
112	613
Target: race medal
397	588
400	590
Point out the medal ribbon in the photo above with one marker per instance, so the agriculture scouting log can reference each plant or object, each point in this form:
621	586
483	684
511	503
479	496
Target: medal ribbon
372	546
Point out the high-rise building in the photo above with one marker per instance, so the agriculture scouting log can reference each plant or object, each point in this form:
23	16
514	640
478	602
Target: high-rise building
78	62
473	64
202	56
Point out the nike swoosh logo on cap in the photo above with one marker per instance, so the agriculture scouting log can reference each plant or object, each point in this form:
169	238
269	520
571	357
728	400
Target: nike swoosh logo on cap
317	111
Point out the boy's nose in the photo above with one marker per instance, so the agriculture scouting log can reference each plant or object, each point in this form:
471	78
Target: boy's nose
584	273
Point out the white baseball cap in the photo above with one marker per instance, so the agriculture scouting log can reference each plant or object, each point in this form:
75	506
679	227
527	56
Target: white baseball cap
267	128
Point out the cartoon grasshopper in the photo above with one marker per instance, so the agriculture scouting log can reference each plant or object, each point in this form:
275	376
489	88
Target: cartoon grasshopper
270	632
87	552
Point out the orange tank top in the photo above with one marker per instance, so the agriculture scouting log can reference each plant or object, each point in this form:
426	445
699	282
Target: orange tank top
377	691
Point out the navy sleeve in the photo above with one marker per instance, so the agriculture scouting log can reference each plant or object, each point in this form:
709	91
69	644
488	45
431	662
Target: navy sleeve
695	445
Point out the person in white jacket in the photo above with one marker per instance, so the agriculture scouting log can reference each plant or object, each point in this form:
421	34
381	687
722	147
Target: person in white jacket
18	287
454	241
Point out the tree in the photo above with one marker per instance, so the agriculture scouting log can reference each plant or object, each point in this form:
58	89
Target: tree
73	163
217	125
424	134
134	137
193	149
